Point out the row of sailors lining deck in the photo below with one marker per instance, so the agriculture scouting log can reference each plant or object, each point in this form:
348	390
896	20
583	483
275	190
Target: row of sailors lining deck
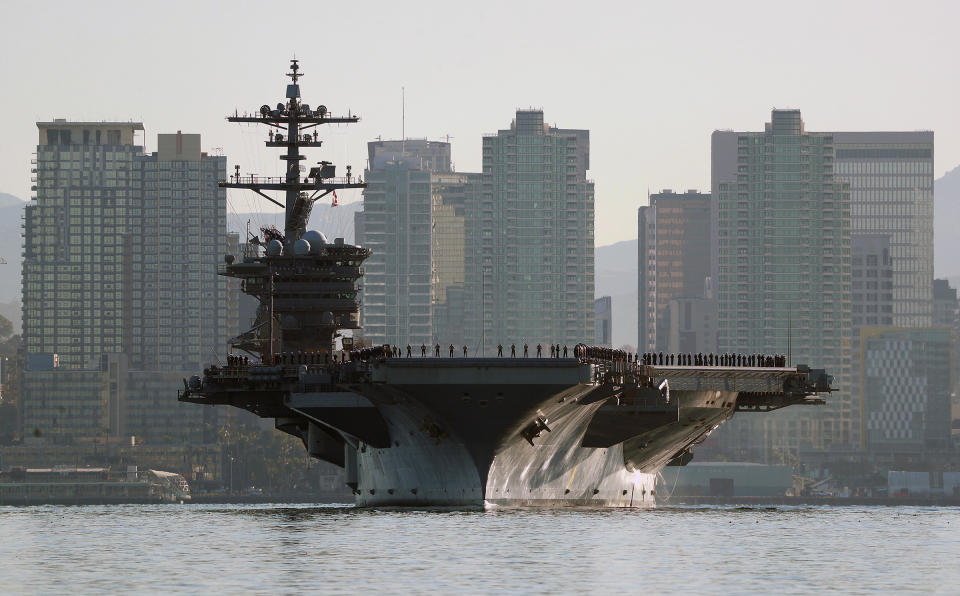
735	360
388	351
580	351
288	359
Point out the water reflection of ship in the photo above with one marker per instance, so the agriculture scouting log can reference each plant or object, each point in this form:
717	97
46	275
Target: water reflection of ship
593	429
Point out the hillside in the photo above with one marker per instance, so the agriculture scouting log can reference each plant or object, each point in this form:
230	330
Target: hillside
11	214
615	272
8	200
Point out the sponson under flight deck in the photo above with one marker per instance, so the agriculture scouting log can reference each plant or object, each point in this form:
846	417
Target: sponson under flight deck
592	430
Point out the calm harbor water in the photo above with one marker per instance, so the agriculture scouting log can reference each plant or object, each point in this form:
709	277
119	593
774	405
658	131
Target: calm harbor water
287	549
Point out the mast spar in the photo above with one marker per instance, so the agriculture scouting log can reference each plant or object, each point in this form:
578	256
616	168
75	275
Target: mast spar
289	120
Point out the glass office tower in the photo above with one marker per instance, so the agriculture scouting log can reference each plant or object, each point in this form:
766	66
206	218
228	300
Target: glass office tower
532	278
890	175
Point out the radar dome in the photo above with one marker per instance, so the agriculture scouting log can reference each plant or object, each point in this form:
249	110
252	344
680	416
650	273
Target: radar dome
316	240
274	248
301	247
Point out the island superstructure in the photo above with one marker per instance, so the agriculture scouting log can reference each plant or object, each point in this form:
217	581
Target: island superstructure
592	427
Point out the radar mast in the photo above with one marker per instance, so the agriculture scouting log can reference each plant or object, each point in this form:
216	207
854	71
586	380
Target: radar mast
288	121
307	287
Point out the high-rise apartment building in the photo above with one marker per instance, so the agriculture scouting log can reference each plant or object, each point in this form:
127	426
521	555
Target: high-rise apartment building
890	176
120	281
674	259
456	200
178	306
414	222
88	189
530	277
396	227
781	267
473	259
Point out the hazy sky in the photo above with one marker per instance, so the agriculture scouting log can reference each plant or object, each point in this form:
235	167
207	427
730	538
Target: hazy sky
650	80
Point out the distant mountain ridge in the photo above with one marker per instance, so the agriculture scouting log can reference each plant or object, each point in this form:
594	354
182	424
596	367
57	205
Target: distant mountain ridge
615	274
9	200
11	240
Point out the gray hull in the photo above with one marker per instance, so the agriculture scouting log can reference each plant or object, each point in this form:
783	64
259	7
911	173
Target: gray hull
459	439
475	433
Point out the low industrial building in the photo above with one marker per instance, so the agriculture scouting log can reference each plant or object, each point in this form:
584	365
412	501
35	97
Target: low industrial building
726	479
923	484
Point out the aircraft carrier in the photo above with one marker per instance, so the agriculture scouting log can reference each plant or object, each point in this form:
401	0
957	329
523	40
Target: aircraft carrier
592	429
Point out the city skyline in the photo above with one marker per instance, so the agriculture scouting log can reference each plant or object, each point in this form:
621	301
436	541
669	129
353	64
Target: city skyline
812	245
652	112
499	256
121	295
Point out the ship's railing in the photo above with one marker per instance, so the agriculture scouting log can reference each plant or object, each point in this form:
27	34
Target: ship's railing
256	180
756	373
623	360
313	368
345	274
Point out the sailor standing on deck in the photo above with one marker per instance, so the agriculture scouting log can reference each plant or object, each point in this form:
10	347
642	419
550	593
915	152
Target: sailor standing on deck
451	350
464	351
539	350
513	350
526	353
408	350
437	347
423	350
499	350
